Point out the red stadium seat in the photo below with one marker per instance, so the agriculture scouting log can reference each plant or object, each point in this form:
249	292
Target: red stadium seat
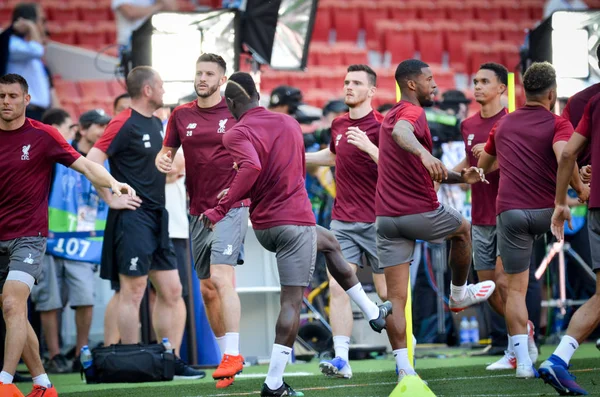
457	11
62	33
398	40
536	9
509	53
444	78
353	55
515	11
66	89
328	55
482	31
72	109
116	87
90	37
371	13
322	24
486	11
271	79
455	34
304	81
429	11
319	98
400	11
346	21
384	96
95	89
62	12
385	80
330	79
430	42
93	12
510	31
109	29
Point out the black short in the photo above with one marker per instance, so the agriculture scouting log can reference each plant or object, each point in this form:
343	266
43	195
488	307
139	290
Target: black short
140	244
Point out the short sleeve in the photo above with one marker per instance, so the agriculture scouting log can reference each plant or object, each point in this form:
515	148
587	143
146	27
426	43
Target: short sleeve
412	114
566	113
241	149
59	150
172	138
562	130
585	124
114	138
490	145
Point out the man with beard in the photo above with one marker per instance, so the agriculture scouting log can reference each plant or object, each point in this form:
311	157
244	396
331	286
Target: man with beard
407	208
199	126
354	153
136	239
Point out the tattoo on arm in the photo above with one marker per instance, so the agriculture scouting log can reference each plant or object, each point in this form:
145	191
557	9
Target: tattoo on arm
404	136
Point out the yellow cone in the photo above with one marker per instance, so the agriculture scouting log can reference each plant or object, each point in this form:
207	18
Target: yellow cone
412	386
10	391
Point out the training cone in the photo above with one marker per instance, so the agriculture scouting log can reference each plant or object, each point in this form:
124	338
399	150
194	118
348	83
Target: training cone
10	391
413	386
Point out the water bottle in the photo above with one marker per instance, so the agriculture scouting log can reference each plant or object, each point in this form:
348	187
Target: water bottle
87	362
464	332
474	330
167	345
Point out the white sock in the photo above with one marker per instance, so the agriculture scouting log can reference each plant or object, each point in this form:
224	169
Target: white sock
232	343
358	296
42	380
279	359
6	378
221	343
458	293
566	348
521	349
401	356
341	344
510	348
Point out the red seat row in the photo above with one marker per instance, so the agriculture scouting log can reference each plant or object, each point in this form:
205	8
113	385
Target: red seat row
74	91
334	55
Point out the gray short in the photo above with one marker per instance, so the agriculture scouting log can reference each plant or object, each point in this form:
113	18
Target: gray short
593	219
221	246
517	230
295	248
64	281
485	247
356	239
396	236
24	254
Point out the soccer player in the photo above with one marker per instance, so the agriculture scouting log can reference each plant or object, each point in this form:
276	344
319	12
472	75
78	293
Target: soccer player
199	126
527	144
353	151
587	318
490	83
280	212
29	151
407	208
136	240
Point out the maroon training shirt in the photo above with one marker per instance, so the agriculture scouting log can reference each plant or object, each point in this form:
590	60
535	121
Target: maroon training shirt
404	186
209	166
355	170
269	150
523	142
475	130
28	157
573	112
589	127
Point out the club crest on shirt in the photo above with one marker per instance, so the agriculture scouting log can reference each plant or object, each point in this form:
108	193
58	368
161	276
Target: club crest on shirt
470	139
338	139
25	155
222	123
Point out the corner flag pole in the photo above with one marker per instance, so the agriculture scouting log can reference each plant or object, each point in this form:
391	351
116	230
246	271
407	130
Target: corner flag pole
408	310
511	92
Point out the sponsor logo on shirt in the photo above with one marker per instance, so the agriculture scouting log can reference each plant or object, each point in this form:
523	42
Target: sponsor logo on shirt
29	259
338	139
470	139
228	250
221	129
25	155
146	140
133	266
191	126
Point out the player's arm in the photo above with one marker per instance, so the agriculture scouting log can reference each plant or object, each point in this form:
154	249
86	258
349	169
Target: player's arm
164	159
468	175
404	135
100	177
249	167
133	12
464	163
178	168
487	158
359	138
321	158
568	171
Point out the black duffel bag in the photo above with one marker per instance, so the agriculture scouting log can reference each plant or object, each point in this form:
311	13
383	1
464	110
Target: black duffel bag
130	364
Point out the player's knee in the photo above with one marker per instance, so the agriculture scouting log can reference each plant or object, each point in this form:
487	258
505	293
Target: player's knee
326	242
133	291
221	278
171	293
13	307
209	292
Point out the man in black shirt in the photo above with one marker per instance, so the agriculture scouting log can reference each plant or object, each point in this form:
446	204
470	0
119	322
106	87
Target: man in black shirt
136	240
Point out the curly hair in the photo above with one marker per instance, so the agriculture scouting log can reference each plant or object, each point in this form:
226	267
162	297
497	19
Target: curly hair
539	78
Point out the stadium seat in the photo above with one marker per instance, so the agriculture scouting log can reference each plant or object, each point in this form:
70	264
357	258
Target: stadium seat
487	11
482	31
354	55
62	33
322	24
444	78
116	87
509	54
93	12
536	9
430	11
398	40
515	11
455	34
400	11
430	42
384	96
457	11
271	79
304	81
385	79
510	31
62	12
372	13
476	53
72	109
66	89
319	98
330	79
346	21
95	88
89	37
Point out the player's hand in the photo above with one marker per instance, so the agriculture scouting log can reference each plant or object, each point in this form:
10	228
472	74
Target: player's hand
118	188
223	194
235	166
584	194
477	150
437	170
473	175
23	26
125	202
586	174
561	214
359	138
207	222
164	163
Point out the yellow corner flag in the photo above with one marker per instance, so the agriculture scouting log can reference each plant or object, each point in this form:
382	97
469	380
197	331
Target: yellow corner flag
511	92
408	310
